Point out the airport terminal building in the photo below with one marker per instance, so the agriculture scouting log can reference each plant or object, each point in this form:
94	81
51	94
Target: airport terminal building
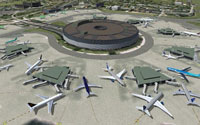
99	34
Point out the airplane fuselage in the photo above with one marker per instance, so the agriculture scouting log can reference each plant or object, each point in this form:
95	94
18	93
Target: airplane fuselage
86	85
116	77
191	34
186	92
183	72
6	67
33	66
47	100
151	103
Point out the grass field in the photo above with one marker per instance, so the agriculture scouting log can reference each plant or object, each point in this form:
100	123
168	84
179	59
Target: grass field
59	23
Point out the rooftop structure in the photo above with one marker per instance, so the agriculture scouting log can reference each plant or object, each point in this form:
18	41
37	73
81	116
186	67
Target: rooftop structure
147	75
54	75
185	51
100	34
131	21
58	76
168	31
99	17
14	50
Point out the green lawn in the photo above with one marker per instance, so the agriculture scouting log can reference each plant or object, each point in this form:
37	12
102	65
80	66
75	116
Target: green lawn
59	23
194	23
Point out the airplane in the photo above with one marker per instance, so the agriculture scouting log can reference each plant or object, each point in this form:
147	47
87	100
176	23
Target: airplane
146	19
6	67
188	95
146	24
46	100
169	56
152	101
25	42
11	41
191	33
35	66
183	72
87	86
114	77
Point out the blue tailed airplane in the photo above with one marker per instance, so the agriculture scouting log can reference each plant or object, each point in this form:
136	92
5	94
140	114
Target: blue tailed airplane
87	86
184	72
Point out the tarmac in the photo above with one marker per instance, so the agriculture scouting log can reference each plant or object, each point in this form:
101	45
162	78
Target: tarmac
114	104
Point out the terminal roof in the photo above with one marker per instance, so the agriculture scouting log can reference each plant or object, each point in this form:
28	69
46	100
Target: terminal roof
55	75
147	75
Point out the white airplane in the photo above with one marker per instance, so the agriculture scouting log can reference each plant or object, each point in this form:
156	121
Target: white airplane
188	95
146	19
152	101
87	87
35	66
114	77
191	33
25	42
46	100
169	56
6	67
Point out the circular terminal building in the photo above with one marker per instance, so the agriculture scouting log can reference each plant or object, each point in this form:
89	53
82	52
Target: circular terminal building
100	34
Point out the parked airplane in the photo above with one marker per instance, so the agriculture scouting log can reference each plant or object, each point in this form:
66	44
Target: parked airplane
169	56
114	77
146	19
35	66
25	42
87	86
6	67
191	33
188	95
46	100
11	41
184	72
152	101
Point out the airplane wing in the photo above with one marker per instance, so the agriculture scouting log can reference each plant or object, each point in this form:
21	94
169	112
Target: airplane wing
50	104
186	69
194	95
81	86
184	77
148	99
121	73
29	65
38	67
42	97
90	85
179	92
107	77
162	107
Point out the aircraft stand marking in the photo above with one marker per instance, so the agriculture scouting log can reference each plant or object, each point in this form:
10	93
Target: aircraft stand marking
93	110
196	115
138	119
14	118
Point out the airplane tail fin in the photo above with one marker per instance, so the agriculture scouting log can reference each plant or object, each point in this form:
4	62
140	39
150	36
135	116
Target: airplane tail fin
108	67
91	94
143	109
163	53
191	102
30	105
40	57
